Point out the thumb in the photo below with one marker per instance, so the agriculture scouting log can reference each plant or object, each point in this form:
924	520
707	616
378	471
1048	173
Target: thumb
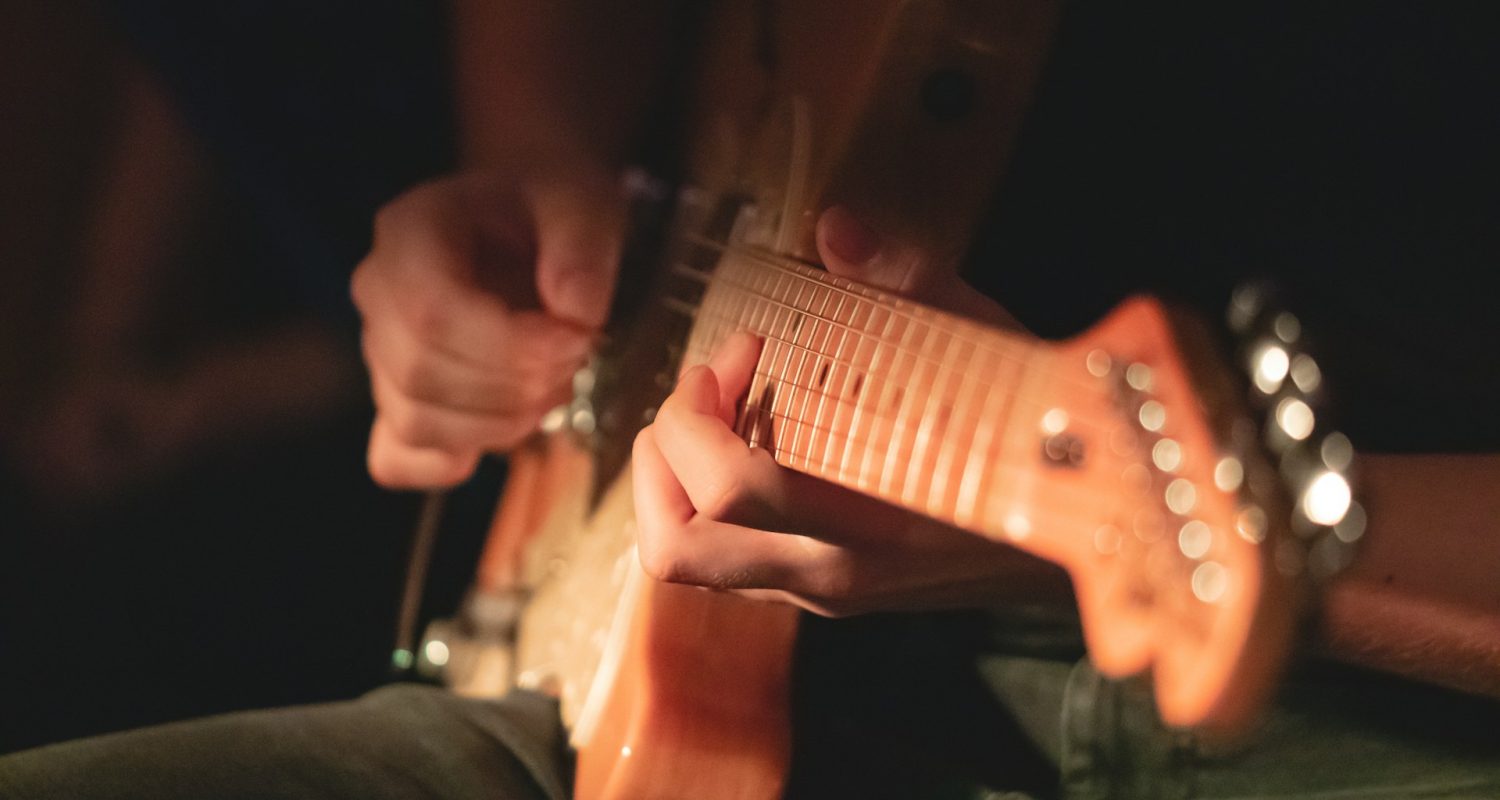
579	233
851	249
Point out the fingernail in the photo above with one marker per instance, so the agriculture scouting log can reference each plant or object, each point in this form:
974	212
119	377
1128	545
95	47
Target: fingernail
847	237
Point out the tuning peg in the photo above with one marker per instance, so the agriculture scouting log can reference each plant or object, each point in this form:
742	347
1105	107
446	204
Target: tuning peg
1312	462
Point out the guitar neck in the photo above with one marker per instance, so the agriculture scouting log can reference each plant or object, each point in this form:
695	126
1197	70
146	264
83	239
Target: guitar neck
932	412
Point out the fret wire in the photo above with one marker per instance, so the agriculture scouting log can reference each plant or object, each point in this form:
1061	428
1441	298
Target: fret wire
906	364
817	355
1012	447
750	423
763	307
893	450
991	338
767	302
1078	489
823	399
842	285
1004	345
782	380
804	389
918	312
1077	416
767	323
977	462
853	340
878	397
824	332
803	353
1032	404
832	393
935	399
761	313
802	356
953	325
870	379
973	375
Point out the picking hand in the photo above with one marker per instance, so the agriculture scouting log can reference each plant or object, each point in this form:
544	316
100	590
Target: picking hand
480	298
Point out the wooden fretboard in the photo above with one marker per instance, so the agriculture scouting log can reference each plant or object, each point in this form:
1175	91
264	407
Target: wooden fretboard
924	409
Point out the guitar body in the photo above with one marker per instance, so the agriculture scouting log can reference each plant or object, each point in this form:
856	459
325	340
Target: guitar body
902	112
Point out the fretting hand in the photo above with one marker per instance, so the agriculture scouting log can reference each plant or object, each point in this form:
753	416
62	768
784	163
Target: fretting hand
715	512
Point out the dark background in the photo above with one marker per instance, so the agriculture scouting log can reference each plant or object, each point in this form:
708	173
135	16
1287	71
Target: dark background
263	567
1347	149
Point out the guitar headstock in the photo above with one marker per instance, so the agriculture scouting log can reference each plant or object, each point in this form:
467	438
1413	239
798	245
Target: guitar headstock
1195	566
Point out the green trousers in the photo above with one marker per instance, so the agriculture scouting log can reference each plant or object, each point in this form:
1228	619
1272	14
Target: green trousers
910	706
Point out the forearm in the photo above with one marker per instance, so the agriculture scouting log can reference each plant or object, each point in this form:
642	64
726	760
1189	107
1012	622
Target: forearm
1423	597
549	86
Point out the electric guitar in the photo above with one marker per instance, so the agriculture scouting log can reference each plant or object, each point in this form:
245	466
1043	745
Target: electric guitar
1124	455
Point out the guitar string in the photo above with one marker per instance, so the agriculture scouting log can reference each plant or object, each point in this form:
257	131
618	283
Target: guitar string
829	432
940	320
808	424
804	445
918	455
1090	420
889	303
1036	513
699	311
751	294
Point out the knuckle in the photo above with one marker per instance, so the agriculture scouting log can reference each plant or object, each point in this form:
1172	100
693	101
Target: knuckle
741	495
660	560
535	391
509	432
430	319
387	471
642	441
411	426
417	377
833	588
